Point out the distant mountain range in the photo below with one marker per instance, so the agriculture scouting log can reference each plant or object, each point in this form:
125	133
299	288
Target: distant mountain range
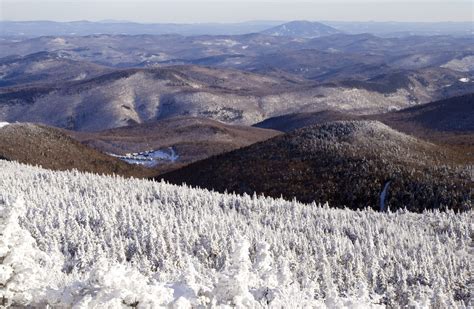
404	29
58	89
46	67
248	51
132	96
78	28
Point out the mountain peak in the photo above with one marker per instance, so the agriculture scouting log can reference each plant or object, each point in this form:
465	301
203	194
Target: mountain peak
301	29
344	162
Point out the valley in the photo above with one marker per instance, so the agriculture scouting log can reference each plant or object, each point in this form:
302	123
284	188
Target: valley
177	141
162	102
264	164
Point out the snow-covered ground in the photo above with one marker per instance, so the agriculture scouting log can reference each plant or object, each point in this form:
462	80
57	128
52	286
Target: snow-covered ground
149	158
3	124
74	239
465	64
220	42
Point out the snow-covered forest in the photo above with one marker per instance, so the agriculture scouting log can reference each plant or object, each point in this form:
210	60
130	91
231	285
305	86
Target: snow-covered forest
75	239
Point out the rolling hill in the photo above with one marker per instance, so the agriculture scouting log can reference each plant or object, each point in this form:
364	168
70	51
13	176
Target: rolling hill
232	51
449	121
46	67
347	163
103	81
290	122
187	139
450	115
50	148
131	96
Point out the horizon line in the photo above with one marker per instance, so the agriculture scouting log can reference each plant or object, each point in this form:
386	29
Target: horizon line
111	21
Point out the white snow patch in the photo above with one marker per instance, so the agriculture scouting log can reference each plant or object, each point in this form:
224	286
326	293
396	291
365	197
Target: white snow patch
333	50
149	158
58	41
80	77
3	124
464	80
465	64
220	42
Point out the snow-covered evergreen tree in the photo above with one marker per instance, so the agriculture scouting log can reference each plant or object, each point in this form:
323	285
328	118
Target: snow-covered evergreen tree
87	240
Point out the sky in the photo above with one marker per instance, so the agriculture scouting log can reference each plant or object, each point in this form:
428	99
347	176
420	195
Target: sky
228	11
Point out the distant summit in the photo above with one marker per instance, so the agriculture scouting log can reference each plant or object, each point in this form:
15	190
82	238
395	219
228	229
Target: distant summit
302	29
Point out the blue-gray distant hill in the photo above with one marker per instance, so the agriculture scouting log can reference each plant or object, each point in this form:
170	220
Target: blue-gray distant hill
28	29
302	29
79	28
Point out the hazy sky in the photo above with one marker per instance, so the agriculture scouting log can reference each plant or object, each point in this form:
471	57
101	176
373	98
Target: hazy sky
191	11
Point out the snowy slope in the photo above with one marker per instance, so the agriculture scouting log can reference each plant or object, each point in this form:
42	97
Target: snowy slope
301	29
70	238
